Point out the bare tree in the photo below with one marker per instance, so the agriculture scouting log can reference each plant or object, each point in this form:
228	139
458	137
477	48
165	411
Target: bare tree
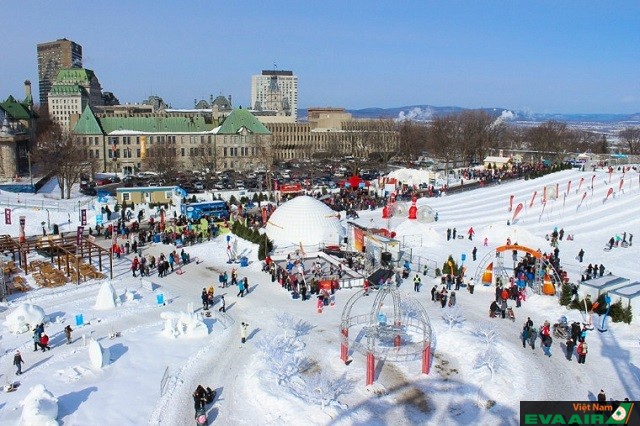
444	135
478	131
412	139
630	137
550	139
205	158
58	153
162	160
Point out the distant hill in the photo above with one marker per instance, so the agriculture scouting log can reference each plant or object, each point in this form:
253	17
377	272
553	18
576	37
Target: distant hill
427	112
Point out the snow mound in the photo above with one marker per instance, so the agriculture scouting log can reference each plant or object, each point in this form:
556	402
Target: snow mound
412	176
498	233
39	408
107	297
183	324
24	318
430	237
98	356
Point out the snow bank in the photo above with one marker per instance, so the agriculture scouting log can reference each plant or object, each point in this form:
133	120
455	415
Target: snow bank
412	176
39	408
24	318
183	324
98	356
425	235
107	297
498	233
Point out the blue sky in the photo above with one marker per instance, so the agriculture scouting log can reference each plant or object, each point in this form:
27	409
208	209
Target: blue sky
538	56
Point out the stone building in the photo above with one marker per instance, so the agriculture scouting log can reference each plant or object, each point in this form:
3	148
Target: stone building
121	142
17	134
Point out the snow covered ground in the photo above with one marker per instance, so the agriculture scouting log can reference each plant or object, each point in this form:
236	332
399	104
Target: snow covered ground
254	385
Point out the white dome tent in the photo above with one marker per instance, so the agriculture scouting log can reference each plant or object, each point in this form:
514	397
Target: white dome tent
304	221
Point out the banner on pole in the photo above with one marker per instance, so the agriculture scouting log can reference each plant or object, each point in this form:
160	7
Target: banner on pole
7	216
83	216
79	235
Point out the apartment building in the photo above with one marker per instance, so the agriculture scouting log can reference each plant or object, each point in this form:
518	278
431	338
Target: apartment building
52	57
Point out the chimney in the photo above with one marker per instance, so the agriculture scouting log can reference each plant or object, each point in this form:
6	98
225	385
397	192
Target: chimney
27	88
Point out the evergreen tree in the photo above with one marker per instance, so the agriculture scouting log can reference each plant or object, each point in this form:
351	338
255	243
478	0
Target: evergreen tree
617	311
565	296
450	266
627	314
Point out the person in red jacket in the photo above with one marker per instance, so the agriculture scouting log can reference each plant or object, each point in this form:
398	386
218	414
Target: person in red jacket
134	265
582	352
44	342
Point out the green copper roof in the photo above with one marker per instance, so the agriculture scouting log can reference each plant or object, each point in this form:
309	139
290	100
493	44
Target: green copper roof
87	124
15	109
161	124
240	118
66	89
74	76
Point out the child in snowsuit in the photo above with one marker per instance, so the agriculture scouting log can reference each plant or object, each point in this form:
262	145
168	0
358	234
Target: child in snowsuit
199	398
67	333
582	352
243	332
525	335
44	343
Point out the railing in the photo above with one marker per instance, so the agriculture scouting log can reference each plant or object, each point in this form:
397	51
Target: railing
39	204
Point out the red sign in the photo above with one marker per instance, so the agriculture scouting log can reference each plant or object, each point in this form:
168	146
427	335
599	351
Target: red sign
291	187
83	216
7	216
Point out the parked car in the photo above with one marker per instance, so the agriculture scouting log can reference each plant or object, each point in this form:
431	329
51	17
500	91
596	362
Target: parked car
198	186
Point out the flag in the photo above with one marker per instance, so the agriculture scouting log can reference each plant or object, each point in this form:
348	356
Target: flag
609	192
533	198
519	208
582	199
568	187
511	202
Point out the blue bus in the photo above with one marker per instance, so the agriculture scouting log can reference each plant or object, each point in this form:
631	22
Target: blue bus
214	209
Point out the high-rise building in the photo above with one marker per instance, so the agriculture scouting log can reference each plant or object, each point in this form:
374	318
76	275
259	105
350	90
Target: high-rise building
275	91
52	57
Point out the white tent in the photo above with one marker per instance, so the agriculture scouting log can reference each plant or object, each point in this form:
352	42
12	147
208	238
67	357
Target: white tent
597	286
304	220
630	294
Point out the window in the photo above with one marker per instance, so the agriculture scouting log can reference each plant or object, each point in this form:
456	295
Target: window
167	195
182	151
126	196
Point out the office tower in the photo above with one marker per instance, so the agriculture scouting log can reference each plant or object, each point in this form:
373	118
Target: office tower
52	57
275	91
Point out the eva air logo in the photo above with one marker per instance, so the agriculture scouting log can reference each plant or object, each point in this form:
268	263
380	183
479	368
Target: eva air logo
621	415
